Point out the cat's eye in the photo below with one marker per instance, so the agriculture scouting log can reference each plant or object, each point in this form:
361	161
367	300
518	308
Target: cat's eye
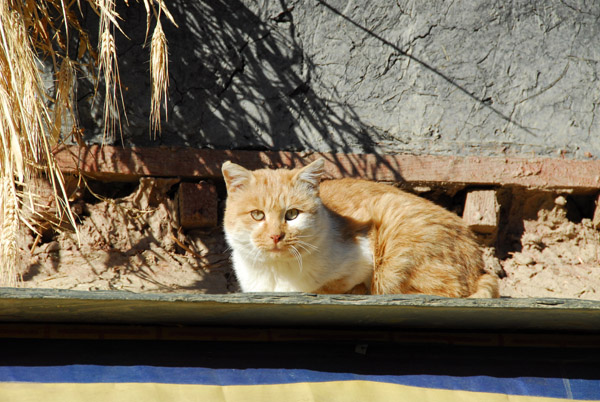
291	214
257	215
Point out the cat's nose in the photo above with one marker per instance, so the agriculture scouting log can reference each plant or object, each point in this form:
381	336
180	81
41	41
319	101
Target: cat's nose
277	237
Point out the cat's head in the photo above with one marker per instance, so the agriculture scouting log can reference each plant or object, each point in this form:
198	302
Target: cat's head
273	213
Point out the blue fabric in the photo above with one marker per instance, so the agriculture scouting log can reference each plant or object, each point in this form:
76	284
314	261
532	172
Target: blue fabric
77	373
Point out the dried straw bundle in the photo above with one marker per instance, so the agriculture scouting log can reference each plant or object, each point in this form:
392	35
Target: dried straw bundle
24	128
28	127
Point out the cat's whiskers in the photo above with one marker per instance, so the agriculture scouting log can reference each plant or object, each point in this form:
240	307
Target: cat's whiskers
309	245
304	236
305	249
309	248
298	256
247	247
255	254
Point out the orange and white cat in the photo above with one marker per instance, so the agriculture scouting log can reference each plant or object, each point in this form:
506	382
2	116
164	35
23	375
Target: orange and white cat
290	232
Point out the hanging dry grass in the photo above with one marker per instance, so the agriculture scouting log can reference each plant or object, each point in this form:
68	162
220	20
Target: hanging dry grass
108	67
159	73
24	123
29	128
159	62
9	227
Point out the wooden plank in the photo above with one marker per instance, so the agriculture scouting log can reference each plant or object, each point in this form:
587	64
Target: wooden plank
299	310
198	205
482	211
128	164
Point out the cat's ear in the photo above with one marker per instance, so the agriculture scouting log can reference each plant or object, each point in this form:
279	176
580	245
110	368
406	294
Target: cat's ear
311	174
236	176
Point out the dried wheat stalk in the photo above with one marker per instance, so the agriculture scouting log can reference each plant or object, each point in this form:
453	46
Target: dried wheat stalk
159	73
28	128
24	119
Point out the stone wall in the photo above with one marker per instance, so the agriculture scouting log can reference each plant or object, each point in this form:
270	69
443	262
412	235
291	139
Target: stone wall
462	77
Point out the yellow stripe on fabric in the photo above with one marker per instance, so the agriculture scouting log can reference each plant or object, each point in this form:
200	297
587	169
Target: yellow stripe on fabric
342	391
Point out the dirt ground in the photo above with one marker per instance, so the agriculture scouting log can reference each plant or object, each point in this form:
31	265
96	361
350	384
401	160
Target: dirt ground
129	240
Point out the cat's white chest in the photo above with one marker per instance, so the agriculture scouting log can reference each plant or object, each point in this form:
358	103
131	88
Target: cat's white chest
351	262
267	276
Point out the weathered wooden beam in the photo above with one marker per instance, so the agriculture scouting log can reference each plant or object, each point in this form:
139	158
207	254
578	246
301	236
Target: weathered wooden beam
482	211
197	204
482	215
128	164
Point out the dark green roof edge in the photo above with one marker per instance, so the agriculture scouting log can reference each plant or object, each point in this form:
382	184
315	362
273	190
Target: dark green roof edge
299	310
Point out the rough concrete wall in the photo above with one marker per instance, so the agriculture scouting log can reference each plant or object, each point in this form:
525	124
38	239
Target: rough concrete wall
462	77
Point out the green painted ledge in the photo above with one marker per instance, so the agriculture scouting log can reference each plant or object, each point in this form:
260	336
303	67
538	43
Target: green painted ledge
298	310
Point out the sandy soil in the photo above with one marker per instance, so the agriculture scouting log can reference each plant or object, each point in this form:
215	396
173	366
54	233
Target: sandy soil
132	243
129	243
558	258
